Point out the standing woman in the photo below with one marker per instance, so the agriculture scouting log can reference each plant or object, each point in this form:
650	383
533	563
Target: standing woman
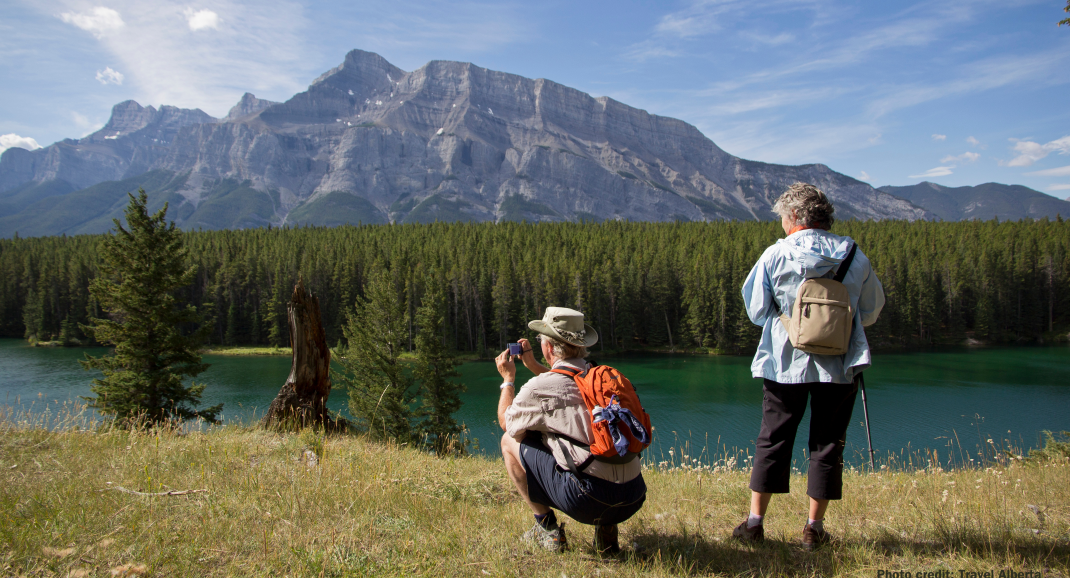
790	375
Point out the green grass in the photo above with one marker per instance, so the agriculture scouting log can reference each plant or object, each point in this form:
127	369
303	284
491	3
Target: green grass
245	350
375	509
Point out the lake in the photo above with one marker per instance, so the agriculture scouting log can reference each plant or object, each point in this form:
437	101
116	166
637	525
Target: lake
952	400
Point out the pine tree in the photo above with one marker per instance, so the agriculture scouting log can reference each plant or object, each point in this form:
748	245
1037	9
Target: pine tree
31	316
434	368
141	269
380	399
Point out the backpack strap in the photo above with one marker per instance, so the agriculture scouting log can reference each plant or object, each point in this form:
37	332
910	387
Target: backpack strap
841	273
845	264
575	468
568	371
572	466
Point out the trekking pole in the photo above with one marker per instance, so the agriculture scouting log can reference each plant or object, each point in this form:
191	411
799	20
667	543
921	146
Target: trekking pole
865	410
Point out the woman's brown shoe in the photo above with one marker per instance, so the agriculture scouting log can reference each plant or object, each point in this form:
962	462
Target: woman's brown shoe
751	535
813	539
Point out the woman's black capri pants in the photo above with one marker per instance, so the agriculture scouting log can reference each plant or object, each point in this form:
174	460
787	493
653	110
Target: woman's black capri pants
782	409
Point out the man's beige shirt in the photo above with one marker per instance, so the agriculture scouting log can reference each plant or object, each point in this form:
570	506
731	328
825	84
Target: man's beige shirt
550	403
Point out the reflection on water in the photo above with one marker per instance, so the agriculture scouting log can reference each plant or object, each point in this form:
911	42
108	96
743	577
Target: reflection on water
916	400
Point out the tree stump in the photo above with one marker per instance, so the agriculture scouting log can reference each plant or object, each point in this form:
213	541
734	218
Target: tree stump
302	401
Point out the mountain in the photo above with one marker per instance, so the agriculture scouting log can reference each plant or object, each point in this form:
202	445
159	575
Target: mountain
982	202
369	142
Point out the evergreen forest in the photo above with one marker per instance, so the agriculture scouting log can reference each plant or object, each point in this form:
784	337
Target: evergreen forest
642	285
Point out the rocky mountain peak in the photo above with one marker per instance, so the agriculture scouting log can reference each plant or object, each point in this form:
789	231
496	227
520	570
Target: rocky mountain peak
369	142
248	105
128	116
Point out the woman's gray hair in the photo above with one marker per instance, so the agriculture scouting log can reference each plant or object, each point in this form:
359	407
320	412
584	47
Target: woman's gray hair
563	350
806	205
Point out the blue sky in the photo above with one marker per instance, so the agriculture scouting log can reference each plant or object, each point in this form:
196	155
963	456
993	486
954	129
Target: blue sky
957	93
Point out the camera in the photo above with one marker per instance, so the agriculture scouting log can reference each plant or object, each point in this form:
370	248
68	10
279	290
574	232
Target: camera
515	349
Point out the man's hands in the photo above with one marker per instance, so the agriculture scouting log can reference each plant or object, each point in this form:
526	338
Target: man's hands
506	367
528	357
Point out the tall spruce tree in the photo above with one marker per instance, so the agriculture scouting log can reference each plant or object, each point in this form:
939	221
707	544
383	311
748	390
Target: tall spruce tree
141	270
380	390
440	397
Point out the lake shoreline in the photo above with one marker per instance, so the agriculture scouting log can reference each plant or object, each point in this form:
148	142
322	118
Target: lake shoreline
1057	338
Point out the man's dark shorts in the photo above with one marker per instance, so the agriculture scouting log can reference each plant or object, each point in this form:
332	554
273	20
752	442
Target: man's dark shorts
584	498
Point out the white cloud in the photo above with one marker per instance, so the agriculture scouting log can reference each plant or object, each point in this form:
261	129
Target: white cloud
1057	172
13	140
934	172
201	19
268	55
972	141
865	176
1059	187
1030	152
109	76
775	139
83	123
963	158
939	137
99	21
978	76
645	50
769	40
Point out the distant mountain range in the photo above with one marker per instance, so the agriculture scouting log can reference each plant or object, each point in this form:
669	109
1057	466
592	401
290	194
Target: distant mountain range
982	202
371	143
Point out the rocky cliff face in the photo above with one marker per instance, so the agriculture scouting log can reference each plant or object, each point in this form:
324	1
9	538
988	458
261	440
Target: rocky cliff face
132	142
450	141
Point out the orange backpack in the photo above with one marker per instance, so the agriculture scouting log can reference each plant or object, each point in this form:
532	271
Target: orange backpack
620	424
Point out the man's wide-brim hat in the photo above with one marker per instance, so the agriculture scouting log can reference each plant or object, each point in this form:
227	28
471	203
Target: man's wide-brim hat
565	325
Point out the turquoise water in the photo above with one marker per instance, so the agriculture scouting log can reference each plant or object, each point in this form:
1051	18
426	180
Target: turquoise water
917	401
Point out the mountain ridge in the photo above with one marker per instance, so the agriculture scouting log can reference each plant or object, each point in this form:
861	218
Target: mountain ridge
983	202
449	140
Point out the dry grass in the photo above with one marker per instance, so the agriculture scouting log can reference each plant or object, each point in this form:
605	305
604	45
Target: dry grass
368	509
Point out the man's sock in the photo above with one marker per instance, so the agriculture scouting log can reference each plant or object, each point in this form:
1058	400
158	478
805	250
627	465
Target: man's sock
753	520
817	525
547	520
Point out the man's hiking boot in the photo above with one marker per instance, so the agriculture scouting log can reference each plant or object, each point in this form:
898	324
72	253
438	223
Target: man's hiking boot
552	539
605	540
752	535
813	539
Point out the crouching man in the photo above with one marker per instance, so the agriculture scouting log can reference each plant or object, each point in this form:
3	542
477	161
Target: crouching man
548	433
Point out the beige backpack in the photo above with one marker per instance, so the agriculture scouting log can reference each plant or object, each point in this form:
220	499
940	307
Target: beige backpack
822	316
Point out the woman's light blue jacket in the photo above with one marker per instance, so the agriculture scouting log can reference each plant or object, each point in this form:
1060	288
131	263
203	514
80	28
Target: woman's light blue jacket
777	275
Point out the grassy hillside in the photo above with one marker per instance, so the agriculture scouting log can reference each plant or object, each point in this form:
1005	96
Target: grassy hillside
337	208
370	509
89	210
